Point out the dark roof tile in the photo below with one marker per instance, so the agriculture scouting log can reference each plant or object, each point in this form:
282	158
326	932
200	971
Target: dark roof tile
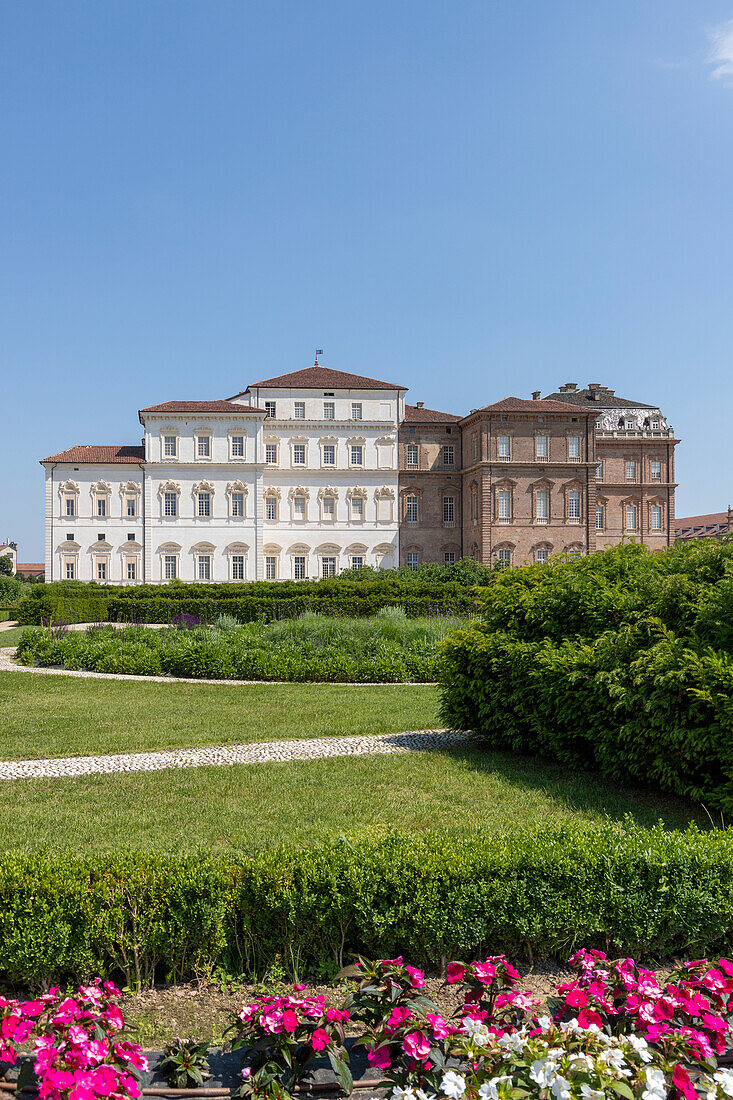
82	453
317	378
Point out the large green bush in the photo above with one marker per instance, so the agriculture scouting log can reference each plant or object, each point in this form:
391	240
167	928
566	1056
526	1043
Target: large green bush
621	662
147	916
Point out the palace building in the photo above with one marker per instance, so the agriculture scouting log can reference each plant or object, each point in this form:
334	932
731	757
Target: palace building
312	472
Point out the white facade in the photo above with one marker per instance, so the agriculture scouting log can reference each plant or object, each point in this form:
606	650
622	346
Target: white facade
278	482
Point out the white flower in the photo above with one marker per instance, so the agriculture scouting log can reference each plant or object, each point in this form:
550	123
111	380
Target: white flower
656	1086
571	1025
545	1022
453	1085
615	1059
561	1088
403	1094
515	1042
489	1090
640	1046
543	1072
422	1095
581	1061
592	1094
481	1036
724	1077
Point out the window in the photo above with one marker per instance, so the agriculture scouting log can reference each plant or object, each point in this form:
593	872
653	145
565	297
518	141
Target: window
69	538
357	454
357	561
300	410
204	508
100	536
70	571
270	408
329	454
356	410
540	446
131	537
204	568
237	567
574	447
299	508
504	446
449	558
101	570
131	507
271	508
600	517
271	453
630	517
299	454
271	567
505	504
411	509
329	410
656	469
504	554
449	456
101	506
238	505
629	424
357	508
329	507
474	505
656	517
630	470
170	504
170	446
574	504
328	567
131	571
70	506
413	453
599	471
413	560
542	505
384	509
237	446
299	572
170	567
655	425
449	511
203	446
541	555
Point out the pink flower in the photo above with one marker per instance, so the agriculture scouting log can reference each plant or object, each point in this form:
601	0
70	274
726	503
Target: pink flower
438	1025
416	1045
587	1016
484	971
320	1039
299	988
397	1017
681	1079
290	1020
726	966
416	976
663	1009
391	962
715	1023
455	972
379	1058
335	1014
577	998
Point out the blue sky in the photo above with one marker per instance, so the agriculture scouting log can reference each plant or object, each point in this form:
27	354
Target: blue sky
470	199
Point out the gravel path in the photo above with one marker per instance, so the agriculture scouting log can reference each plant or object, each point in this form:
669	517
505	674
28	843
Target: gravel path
261	752
7	664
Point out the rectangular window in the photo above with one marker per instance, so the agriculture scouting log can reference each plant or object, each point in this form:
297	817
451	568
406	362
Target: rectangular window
449	456
630	517
329	507
328	567
655	425
412	454
203	446
170	446
131	537
504	555
131	507
356	410
70	509
299	454
170	563
449	511
204	567
237	567
413	560
271	568
411	509
70	571
656	470
574	504
504	445
270	408
238	505
101	570
631	470
357	454
329	454
540	446
384	509
656	517
237	446
204	504
474	505
357	508
101	506
600	517
299	507
299	572
271	508
329	410
541	555
357	561
300	410
271	453
574	446
474	448
170	504
449	558
505	504
599	472
542	504
131	571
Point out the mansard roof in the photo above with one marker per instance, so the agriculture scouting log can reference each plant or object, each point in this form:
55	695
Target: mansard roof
200	407
323	378
416	414
82	453
521	404
595	396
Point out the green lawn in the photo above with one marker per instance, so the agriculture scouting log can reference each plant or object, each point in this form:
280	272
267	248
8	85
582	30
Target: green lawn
463	791
12	636
68	716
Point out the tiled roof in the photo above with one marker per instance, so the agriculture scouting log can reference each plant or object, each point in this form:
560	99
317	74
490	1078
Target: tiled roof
415	415
30	567
200	407
605	399
323	378
521	404
712	520
82	453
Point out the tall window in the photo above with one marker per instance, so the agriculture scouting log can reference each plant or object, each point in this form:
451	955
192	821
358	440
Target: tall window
329	454
170	504
271	567
449	557
328	567
574	446
540	446
101	570
357	454
357	508
474	448
70	506
656	469
449	511
474	505
270	408
413	560
505	504
504	446
299	572
449	456
70	571
299	508
600	517
170	446
630	517
356	410
131	507
204	567
357	561
237	567
101	506
271	453
541	554
203	446
329	507
412	454
300	410
542	504
329	410
411	509
299	454
238	505
204	508
131	571
656	517
630	470
170	567
271	508
574	504
599	471
237	446
504	554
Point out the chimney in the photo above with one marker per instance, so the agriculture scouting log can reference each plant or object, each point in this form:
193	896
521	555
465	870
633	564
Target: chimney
421	404
536	394
569	387
594	387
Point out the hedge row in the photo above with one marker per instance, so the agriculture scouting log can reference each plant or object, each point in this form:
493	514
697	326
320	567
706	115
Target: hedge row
252	610
145	917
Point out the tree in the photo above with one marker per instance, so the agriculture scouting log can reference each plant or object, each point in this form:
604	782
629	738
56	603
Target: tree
6	565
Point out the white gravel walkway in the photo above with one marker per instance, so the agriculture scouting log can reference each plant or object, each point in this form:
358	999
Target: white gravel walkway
260	752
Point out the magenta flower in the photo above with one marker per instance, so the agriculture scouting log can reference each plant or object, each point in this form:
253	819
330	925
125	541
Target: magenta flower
416	976
320	1039
455	972
379	1058
416	1045
438	1026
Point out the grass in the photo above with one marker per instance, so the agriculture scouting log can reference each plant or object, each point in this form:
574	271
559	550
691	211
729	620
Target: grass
463	792
70	716
11	636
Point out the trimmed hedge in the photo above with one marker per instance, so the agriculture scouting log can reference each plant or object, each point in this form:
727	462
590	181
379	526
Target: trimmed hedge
269	609
145	916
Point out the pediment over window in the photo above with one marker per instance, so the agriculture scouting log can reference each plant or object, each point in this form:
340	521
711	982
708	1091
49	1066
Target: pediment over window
505	546
541	483
384	548
356	548
130	487
505	483
328	548
203	548
101	546
299	491
385	493
273	491
271	548
69	547
133	545
236	548
357	493
542	546
237	487
101	487
68	487
203	487
327	491
574	483
169	487
169	548
299	548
